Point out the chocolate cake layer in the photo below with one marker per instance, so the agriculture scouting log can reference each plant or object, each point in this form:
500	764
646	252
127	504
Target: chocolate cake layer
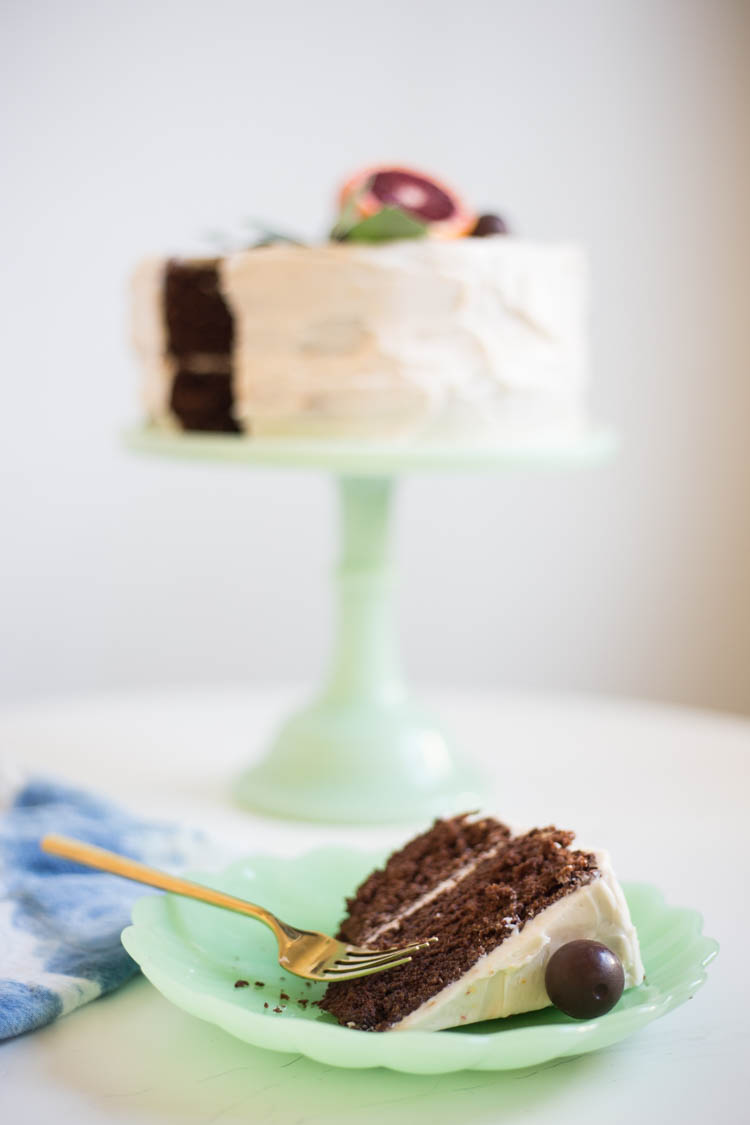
417	869
200	331
527	874
197	316
203	402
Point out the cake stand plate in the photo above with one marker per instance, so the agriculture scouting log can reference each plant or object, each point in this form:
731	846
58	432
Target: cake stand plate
362	750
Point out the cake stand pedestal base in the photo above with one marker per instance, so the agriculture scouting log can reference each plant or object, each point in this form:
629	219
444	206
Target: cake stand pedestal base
362	751
367	765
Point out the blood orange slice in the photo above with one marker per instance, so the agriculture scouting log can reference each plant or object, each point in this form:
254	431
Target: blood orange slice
419	195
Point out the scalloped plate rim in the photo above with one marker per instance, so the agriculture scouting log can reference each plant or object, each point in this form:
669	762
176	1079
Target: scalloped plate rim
477	1049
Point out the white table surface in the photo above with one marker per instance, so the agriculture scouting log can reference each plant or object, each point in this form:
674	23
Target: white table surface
665	790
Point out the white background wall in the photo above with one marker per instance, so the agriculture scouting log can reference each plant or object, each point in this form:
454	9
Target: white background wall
133	127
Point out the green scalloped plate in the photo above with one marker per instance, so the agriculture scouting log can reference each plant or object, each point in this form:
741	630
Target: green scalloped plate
193	954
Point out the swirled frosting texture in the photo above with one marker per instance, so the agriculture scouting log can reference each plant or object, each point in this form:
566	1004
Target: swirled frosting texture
407	336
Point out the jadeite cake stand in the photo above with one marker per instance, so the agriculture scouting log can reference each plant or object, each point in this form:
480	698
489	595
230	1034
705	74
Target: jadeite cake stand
362	750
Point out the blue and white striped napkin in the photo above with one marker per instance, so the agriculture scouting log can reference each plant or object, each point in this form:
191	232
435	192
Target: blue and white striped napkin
60	923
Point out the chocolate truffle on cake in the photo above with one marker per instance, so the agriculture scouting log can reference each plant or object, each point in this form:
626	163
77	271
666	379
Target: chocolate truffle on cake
500	905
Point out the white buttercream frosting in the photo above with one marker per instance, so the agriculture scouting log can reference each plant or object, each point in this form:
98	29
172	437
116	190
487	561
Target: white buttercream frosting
408	335
510	979
467	337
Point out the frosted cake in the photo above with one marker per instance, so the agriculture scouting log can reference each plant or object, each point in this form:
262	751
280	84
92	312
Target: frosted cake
415	317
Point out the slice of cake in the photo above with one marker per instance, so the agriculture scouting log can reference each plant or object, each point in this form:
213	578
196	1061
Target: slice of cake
413	318
499	904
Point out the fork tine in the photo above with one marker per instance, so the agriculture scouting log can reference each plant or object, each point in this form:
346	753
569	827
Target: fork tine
357	952
372	962
363	962
359	962
334	974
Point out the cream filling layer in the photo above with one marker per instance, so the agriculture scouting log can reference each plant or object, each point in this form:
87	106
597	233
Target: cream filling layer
510	979
424	900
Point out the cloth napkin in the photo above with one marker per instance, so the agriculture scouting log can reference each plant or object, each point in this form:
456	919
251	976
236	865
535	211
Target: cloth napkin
60	923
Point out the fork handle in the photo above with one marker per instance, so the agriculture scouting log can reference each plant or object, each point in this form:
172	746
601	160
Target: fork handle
91	856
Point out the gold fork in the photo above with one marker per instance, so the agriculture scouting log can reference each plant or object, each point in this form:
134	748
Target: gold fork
306	953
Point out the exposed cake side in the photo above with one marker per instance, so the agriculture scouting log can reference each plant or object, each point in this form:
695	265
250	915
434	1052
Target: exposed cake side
200	333
183	332
498	919
446	851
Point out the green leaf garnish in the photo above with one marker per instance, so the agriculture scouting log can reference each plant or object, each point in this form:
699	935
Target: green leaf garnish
384	226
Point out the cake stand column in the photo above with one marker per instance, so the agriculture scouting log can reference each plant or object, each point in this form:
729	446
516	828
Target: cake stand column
362	751
365	667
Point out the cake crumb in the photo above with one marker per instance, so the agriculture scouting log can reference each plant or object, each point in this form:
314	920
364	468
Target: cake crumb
277	1009
241	983
265	1005
303	1003
283	996
259	984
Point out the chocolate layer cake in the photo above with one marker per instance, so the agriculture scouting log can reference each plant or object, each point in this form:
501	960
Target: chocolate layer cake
474	337
415	316
499	904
